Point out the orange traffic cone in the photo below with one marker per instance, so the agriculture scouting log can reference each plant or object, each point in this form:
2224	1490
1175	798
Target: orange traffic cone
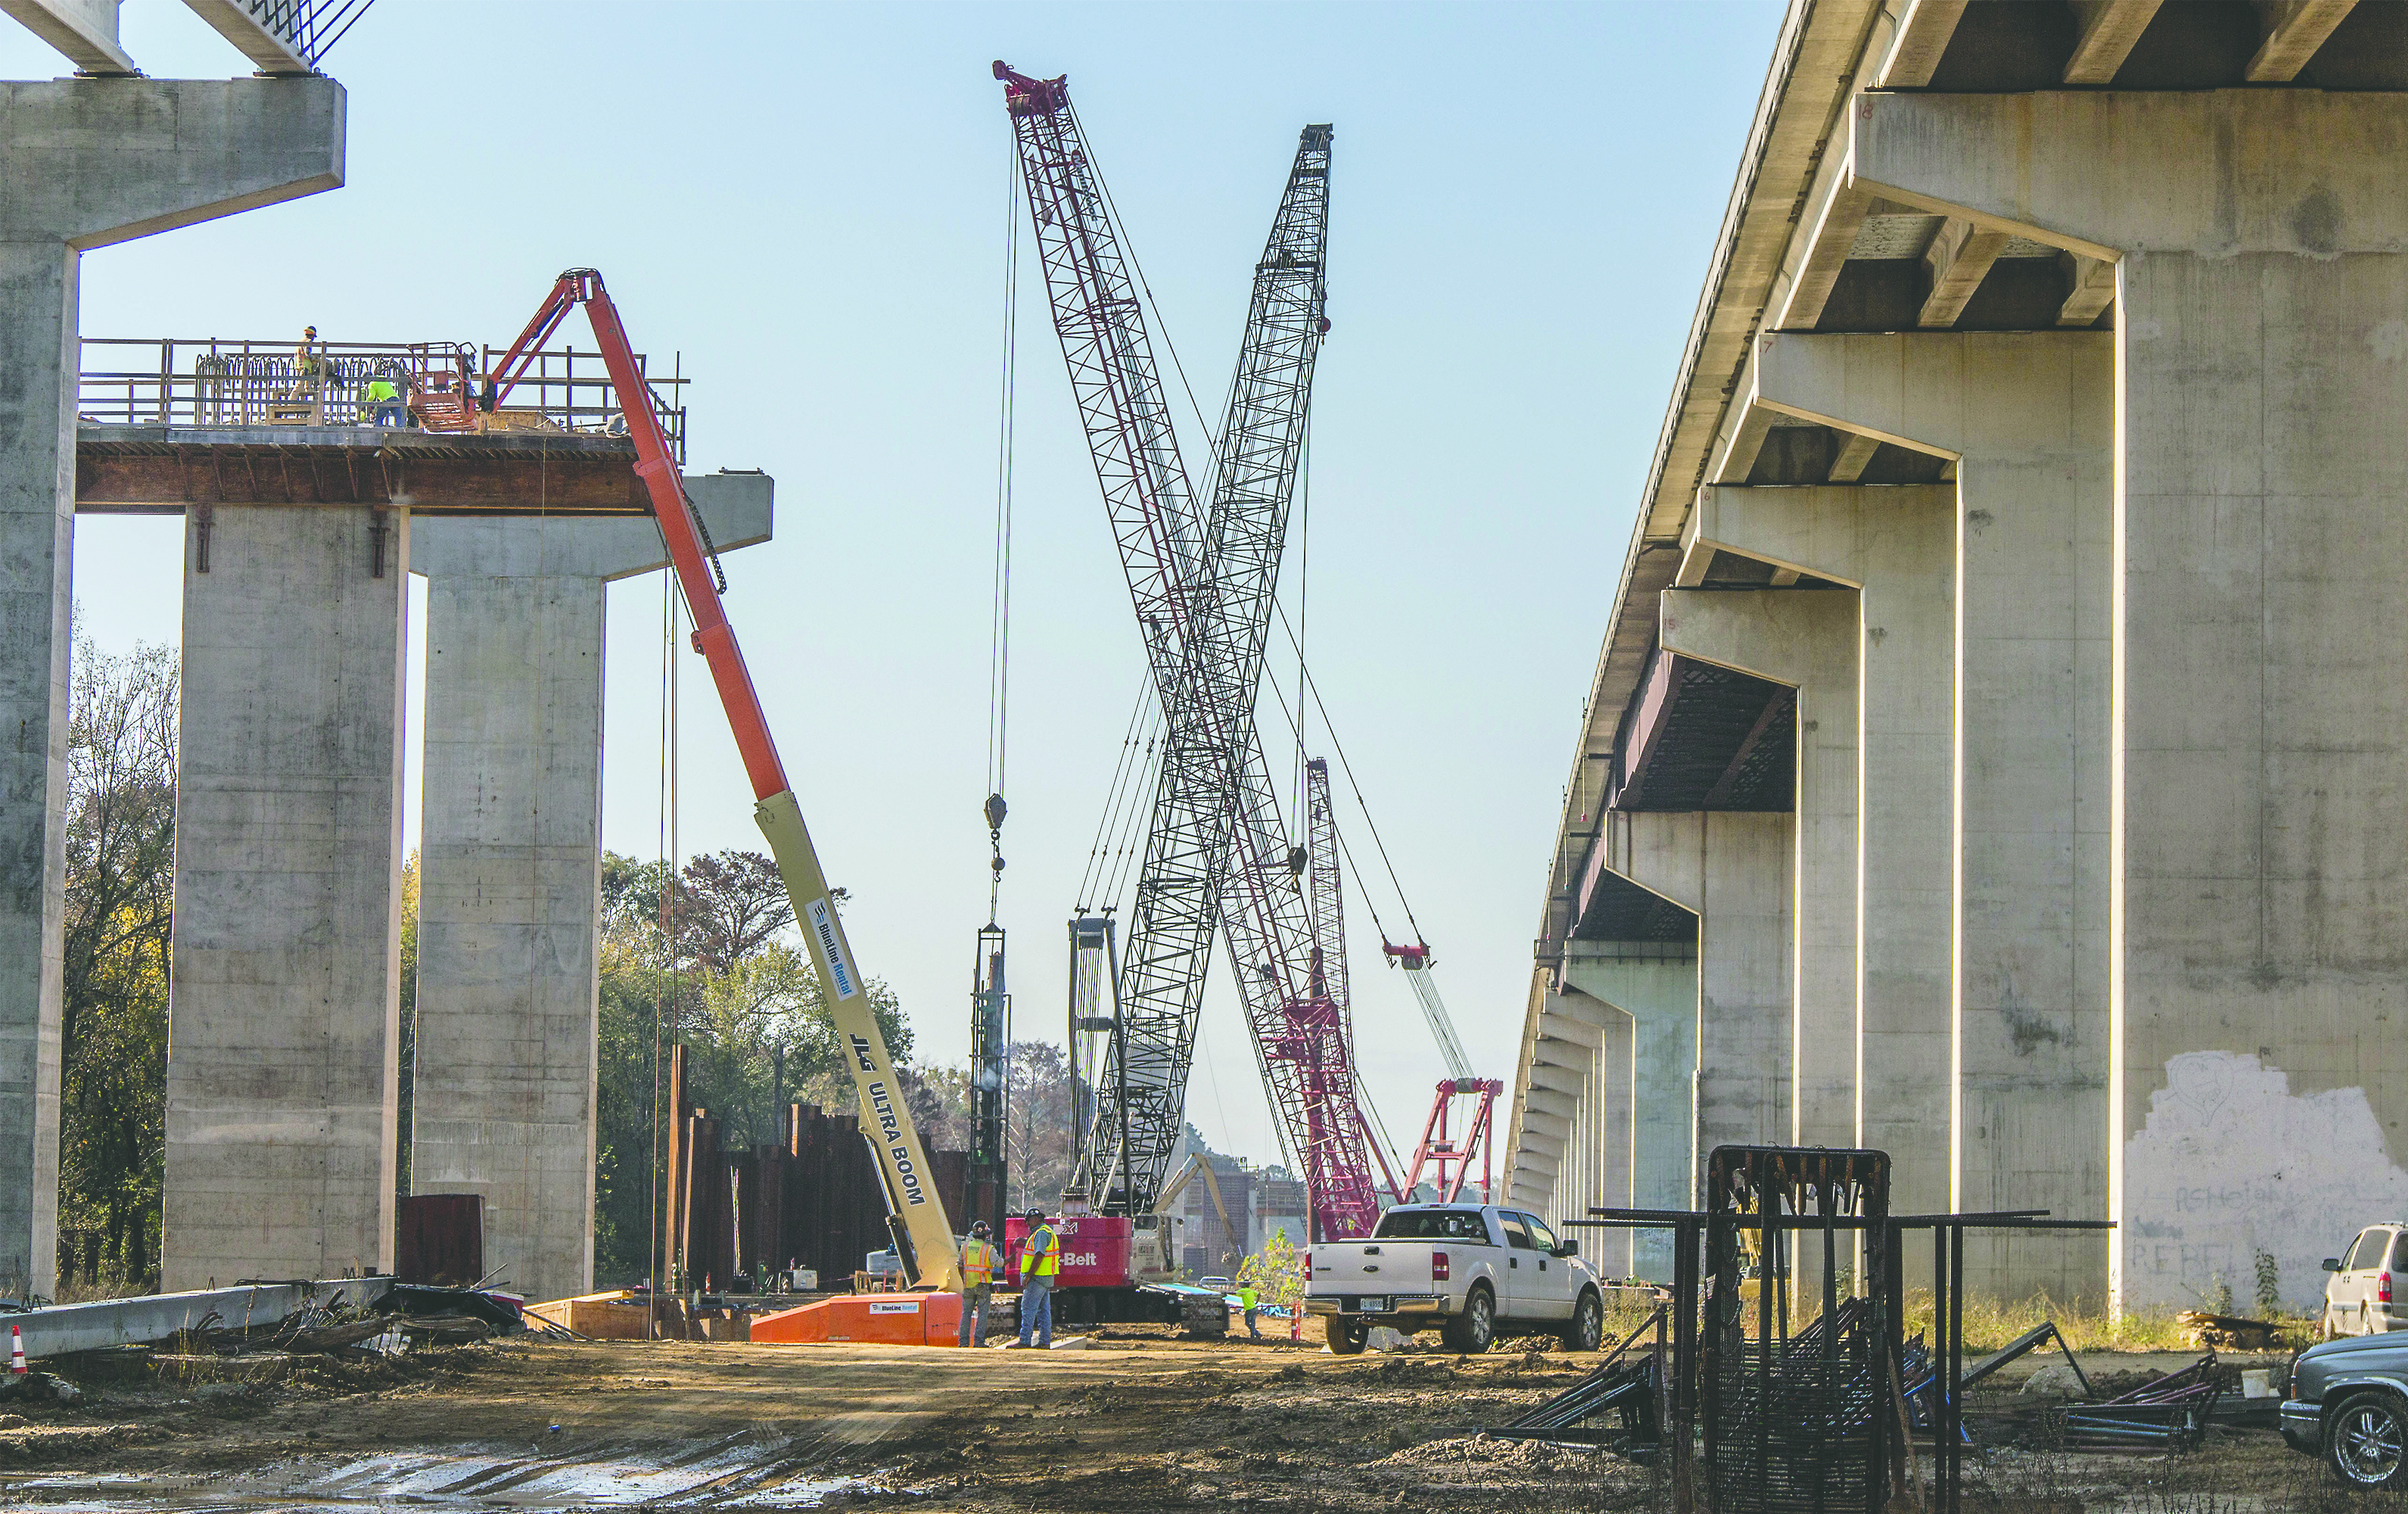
16	1351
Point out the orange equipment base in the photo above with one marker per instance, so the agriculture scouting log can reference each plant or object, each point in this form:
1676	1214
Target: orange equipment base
873	1318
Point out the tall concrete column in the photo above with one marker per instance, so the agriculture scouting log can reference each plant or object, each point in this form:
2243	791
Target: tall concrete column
281	1083
1807	639
1659	998
2258	956
1527	1178
1898	547
1735	871
509	901
1597	1169
2030	418
90	162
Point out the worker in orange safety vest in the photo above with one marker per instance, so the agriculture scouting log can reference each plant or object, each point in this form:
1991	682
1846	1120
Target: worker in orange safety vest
979	1260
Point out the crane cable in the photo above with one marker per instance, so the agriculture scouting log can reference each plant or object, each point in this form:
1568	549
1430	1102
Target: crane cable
998	677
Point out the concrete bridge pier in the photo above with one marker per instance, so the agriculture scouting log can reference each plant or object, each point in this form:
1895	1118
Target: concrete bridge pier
509	906
1897	545
1733	871
286	945
1575	1028
2028	417
1807	639
90	162
2258	878
1659	998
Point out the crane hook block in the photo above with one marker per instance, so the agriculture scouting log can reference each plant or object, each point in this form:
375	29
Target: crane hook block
995	811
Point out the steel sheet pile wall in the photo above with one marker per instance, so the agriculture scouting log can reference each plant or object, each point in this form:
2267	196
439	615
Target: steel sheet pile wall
812	1200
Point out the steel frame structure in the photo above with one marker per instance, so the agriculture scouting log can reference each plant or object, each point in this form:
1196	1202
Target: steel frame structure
1216	859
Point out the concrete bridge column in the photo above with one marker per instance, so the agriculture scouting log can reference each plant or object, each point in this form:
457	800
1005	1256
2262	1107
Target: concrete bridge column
90	162
1520	1180
286	957
2030	418
1734	871
1807	639
1600	1171
2259	948
1659	999
509	901
1898	547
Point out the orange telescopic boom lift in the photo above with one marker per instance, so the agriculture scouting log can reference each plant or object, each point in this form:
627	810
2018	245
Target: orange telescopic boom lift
910	1182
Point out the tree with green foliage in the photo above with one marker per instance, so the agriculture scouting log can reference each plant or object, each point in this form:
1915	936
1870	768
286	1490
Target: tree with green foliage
1276	1271
704	958
120	844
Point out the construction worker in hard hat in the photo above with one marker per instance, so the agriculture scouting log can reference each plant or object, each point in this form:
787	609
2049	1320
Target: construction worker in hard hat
1040	1263
979	1261
309	362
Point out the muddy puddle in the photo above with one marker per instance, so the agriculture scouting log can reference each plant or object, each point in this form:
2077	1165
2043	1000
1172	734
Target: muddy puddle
736	1472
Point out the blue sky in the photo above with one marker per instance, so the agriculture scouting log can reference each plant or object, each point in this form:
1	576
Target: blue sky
807	203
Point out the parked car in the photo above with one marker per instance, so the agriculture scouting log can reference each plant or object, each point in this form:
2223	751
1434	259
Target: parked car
2347	1401
1469	1271
2359	1295
1226	1285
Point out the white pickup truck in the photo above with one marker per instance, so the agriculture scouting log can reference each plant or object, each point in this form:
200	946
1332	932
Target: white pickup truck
1469	1271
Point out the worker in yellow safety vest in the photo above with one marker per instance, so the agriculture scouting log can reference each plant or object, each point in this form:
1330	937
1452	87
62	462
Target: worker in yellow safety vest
979	1261
384	402
1040	1263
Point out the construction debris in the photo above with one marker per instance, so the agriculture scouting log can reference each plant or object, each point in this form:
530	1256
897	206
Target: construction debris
2169	1412
1631	1391
2228	1332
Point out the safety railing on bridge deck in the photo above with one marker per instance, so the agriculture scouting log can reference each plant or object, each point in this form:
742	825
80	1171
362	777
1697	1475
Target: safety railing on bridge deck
220	384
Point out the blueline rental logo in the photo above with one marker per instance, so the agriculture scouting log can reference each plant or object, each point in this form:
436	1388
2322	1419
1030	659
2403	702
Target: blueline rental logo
831	947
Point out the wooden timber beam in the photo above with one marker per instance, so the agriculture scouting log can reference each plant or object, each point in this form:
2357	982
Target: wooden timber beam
2109	29
2295	29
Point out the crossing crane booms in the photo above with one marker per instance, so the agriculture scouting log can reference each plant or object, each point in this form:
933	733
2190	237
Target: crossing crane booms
903	1163
1216	852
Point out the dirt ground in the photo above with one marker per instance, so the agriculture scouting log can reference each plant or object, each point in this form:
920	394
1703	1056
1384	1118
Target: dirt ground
1134	1421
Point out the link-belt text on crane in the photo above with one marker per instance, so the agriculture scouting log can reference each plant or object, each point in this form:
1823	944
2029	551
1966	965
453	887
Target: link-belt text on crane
890	1129
831	947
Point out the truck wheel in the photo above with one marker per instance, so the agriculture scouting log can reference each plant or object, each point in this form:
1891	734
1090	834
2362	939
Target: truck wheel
1587	1329
2367	1443
1347	1337
1474	1329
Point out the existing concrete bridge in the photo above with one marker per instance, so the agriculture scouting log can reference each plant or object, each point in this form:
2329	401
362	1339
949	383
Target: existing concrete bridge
1996	754
283	1140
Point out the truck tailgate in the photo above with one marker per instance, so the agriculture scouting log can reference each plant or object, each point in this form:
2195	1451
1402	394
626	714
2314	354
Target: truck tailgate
1391	1266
